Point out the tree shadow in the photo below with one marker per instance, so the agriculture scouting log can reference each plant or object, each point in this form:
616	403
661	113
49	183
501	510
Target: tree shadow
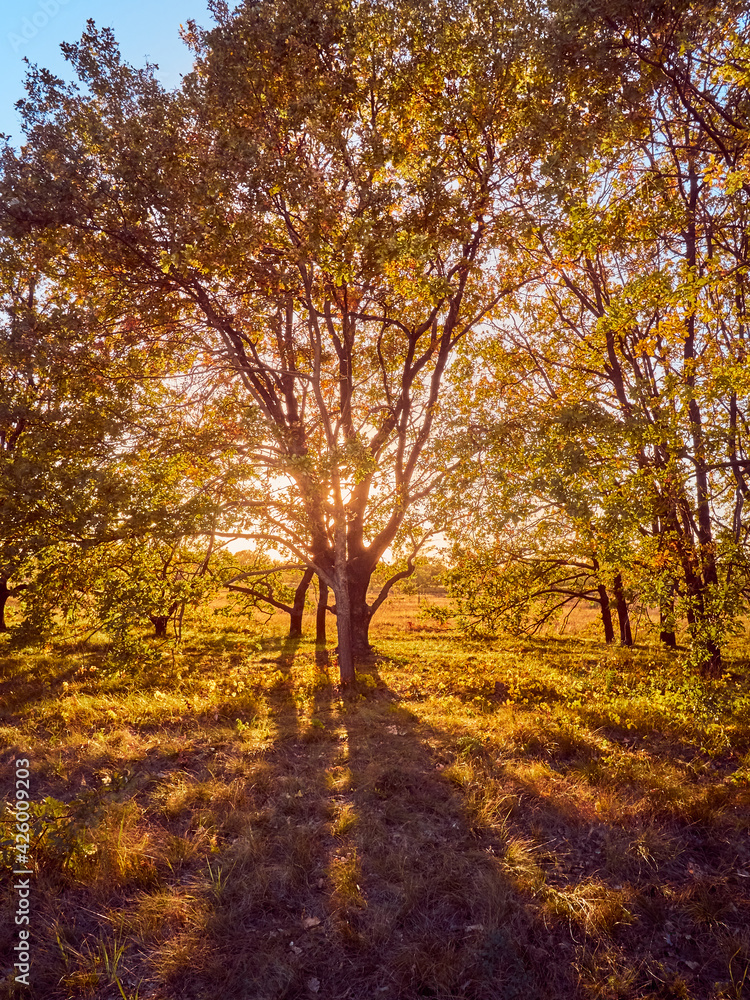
350	849
366	877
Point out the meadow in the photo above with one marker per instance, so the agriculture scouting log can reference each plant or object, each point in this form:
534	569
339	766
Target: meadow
510	820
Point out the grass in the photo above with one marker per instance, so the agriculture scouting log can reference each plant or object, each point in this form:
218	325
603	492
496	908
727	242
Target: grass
539	819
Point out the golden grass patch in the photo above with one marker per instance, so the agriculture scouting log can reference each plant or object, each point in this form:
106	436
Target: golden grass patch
547	819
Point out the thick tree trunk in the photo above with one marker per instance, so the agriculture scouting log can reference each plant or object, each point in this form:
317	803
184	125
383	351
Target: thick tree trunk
713	664
320	615
343	604
4	595
360	613
361	631
609	630
298	607
352	618
626	635
344	632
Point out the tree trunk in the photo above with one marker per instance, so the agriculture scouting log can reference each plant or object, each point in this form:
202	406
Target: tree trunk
160	623
666	622
343	603
320	615
708	577
4	595
713	664
609	630
344	631
360	613
626	636
298	607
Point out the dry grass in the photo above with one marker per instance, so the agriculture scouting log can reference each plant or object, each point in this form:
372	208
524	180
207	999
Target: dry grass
548	819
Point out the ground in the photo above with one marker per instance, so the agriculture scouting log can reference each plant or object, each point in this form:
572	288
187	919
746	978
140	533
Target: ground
547	818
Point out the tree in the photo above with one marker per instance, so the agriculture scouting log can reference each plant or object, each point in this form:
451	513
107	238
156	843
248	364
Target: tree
263	584
122	588
543	522
639	309
61	426
691	160
322	212
97	448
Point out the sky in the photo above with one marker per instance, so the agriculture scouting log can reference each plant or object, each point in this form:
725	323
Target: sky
145	29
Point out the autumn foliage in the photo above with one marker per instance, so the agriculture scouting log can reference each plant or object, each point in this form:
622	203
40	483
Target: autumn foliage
381	274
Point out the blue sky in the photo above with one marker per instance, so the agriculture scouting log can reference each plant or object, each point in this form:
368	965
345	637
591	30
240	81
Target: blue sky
145	29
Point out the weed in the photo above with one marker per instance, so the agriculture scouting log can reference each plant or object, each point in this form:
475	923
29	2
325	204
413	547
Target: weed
345	819
218	879
345	874
591	906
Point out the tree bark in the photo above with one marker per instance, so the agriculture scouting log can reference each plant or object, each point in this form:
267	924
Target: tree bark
344	631
604	604
713	664
360	612
609	631
320	615
298	606
626	635
4	595
160	623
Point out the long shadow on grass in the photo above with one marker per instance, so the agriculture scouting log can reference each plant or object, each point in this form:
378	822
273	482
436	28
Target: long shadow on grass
359	875
341	859
647	867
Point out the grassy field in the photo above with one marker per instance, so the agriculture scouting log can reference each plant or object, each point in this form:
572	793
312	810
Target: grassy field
519	820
